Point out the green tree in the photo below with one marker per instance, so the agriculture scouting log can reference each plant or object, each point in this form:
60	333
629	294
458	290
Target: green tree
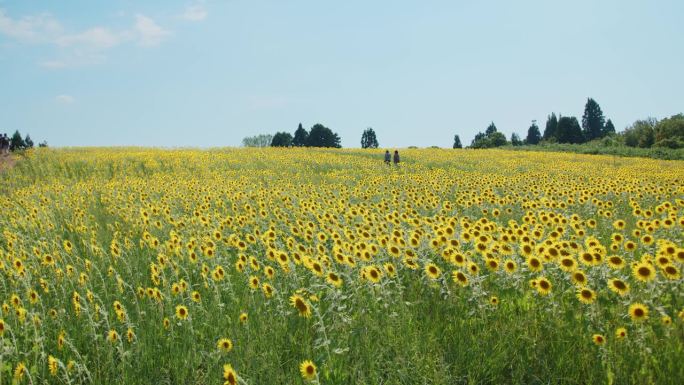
641	133
16	142
569	130
262	140
533	134
593	121
300	136
43	144
281	139
457	142
669	132
322	136
490	138
28	143
609	128
551	127
368	139
515	140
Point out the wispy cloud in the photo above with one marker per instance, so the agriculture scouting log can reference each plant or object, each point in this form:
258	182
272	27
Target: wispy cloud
195	12
30	28
80	47
149	32
65	99
99	38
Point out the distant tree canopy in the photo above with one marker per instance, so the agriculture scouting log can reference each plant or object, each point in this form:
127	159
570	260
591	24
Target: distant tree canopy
515	140
490	138
551	127
300	137
263	140
593	121
457	142
322	136
368	139
281	139
609	128
569	130
641	133
533	135
669	132
17	143
650	132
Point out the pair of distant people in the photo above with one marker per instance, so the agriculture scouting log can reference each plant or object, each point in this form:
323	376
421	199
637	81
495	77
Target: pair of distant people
389	157
4	144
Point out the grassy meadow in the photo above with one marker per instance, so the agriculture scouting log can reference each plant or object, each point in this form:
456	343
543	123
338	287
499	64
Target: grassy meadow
291	266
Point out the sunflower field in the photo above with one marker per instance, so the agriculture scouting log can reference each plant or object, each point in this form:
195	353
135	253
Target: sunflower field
288	266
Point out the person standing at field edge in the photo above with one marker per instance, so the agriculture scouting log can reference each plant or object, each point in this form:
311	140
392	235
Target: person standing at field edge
396	157
388	157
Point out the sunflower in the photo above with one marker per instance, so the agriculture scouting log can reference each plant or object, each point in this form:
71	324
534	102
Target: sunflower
267	290
196	297
666	320
372	273
579	278
568	264
492	264
459	278
243	318
254	282
473	268
390	269
432	271
333	279
638	312
2	327
19	371
586	295
494	300
534	264
112	336
616	262
308	370
510	266
598	339
298	302
620	333
53	365
224	344
618	286
544	286
671	272
181	312
630	246
229	375
644	272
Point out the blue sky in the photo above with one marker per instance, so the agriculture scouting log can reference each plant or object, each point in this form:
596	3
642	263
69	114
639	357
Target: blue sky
208	73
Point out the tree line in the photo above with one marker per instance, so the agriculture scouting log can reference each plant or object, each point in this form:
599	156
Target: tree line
318	136
17	143
646	133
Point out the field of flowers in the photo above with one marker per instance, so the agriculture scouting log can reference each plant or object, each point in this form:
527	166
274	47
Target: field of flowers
286	266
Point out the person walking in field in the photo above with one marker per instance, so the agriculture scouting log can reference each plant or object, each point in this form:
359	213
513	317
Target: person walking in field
388	157
4	144
396	157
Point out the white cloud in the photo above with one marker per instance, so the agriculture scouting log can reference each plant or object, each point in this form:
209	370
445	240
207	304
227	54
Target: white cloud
65	99
96	38
30	28
149	32
195	13
81	47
